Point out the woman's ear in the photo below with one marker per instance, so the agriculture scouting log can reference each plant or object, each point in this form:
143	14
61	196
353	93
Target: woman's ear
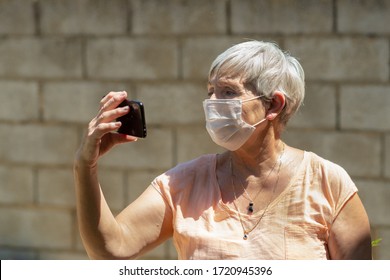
276	105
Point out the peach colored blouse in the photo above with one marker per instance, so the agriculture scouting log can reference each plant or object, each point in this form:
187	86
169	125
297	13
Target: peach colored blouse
295	226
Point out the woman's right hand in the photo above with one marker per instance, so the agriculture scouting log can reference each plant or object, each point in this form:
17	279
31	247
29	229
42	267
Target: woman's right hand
100	136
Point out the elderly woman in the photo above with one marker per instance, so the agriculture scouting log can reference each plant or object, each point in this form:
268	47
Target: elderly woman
261	199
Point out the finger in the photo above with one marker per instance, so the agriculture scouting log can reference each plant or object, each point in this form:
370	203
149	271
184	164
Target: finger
109	116
103	128
109	96
112	100
111	139
123	138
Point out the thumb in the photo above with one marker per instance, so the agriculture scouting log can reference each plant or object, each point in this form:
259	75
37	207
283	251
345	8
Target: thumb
111	139
118	138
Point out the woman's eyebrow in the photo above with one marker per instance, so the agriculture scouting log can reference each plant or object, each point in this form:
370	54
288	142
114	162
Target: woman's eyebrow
225	83
228	84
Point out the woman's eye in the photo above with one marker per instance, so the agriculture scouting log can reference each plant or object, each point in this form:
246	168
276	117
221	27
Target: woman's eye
230	93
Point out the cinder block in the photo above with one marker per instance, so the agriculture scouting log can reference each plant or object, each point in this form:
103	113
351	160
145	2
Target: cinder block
365	107
36	144
383	250
342	59
19	101
366	16
39	228
76	101
16	185
158	253
194	141
179	17
40	58
112	184
138	181
172	253
56	187
61	255
124	58
387	156
167	104
153	152
199	53
17	254
318	109
16	17
375	196
358	153
285	16
83	17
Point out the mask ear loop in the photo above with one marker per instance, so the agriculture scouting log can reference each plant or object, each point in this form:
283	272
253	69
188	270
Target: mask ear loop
253	98
261	121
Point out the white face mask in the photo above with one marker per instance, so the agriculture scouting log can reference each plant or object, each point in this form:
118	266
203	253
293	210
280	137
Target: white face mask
224	122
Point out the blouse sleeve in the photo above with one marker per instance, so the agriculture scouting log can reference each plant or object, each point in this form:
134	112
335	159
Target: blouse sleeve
160	184
340	187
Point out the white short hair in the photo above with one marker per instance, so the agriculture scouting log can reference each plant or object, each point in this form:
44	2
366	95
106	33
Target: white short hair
267	68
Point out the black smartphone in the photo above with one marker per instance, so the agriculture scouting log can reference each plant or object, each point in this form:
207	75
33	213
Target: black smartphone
133	123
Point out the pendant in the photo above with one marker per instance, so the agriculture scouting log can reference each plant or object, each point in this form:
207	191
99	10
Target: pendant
250	207
245	237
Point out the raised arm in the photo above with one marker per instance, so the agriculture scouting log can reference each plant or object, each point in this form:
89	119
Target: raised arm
144	224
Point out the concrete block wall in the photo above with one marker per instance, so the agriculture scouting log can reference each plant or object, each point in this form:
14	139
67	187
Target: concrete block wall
58	58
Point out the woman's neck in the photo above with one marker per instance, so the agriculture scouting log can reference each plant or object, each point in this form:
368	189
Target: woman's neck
259	154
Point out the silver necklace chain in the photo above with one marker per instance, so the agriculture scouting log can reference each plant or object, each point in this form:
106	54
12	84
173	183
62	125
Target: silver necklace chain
248	197
248	231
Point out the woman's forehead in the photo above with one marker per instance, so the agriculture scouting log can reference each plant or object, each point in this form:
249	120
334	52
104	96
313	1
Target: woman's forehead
226	81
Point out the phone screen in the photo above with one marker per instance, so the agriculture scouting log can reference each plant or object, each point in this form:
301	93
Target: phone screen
133	123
